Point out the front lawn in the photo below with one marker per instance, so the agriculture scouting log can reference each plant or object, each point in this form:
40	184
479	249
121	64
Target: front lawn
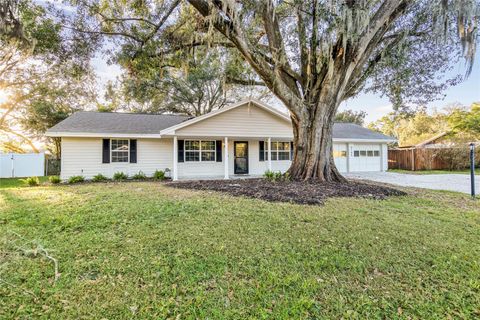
145	250
477	171
17	182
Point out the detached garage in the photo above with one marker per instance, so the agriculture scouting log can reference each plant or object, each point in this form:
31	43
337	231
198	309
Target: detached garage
244	139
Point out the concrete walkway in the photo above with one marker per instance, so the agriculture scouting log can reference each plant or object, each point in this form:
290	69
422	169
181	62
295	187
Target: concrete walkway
451	182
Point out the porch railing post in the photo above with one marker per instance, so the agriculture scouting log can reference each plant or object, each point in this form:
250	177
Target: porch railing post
226	158
175	159
269	154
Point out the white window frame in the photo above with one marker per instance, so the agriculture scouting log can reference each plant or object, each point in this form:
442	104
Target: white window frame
276	151
200	150
339	153
128	151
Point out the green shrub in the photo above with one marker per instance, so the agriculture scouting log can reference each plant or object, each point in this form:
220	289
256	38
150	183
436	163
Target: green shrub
32	181
139	176
274	176
268	174
119	176
159	175
76	179
99	178
54	179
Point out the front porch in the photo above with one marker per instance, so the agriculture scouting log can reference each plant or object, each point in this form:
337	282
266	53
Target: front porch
208	157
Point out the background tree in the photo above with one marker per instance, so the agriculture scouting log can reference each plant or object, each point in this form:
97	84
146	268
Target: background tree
312	55
194	84
11	28
193	74
414	127
52	70
351	116
466	121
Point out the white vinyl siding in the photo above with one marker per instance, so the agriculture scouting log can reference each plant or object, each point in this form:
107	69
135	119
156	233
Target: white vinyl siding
244	121
340	156
83	156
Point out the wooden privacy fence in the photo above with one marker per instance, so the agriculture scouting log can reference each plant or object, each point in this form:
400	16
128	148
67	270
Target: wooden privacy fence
416	159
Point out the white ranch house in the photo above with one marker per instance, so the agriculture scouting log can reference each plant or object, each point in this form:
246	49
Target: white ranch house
243	139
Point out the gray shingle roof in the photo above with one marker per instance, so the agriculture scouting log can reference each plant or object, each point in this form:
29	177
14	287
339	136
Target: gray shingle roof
116	122
354	131
135	123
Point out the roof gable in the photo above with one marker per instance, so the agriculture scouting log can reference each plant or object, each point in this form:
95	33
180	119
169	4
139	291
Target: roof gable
249	103
244	119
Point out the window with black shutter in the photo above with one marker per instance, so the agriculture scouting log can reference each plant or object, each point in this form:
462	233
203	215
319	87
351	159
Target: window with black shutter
261	155
219	150
133	151
106	151
180	157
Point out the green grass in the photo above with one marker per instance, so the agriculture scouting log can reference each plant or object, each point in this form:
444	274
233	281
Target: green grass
17	182
477	171
144	250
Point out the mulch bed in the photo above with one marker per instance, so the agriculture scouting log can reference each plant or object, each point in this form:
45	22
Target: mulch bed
291	191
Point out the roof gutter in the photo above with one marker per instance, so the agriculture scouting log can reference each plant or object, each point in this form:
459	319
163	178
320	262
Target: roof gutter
58	134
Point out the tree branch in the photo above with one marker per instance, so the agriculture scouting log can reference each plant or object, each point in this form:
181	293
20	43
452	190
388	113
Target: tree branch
244	82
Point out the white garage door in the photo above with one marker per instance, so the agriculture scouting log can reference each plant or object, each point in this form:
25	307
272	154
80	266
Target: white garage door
340	156
365	157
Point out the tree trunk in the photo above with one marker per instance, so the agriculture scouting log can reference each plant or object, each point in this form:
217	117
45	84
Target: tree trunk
312	139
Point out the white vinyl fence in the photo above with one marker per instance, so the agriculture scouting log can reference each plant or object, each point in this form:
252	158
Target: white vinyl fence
22	165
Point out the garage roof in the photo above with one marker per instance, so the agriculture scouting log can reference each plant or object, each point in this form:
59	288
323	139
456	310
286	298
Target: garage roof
346	131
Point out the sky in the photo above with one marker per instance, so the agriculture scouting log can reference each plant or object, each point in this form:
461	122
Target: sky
464	93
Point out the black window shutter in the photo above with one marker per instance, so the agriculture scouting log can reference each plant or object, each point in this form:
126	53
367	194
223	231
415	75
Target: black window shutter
180	151
291	150
219	150
261	155
133	151
106	151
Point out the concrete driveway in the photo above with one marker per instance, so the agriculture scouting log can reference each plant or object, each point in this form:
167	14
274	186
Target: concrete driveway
451	182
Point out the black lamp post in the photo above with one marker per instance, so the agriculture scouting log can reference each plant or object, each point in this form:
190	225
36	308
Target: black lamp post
472	169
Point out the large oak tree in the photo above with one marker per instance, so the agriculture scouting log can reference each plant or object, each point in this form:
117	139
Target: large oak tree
311	54
315	54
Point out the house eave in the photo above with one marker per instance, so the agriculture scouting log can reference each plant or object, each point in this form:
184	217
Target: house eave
101	135
363	140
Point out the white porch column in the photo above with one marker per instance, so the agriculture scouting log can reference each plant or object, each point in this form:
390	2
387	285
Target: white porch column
175	159
269	142
226	157
349	151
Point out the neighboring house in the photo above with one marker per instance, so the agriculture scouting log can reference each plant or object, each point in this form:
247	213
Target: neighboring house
444	140
436	141
234	140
